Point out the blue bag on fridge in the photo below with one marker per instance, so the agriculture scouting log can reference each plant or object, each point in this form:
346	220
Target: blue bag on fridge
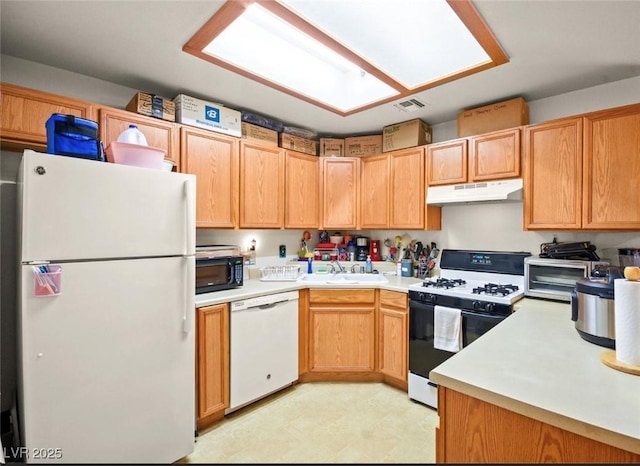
74	137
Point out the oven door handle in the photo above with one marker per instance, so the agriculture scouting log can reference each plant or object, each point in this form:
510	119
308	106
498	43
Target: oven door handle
483	316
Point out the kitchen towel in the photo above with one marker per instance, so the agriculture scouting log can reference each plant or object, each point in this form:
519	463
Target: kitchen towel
447	329
627	321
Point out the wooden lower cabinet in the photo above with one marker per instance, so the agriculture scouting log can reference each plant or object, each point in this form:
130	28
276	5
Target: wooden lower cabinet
212	363
393	333
474	431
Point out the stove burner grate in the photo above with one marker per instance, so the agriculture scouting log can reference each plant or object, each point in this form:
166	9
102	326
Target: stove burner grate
495	289
444	283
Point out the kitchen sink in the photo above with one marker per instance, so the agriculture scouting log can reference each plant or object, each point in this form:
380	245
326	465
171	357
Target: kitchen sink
343	278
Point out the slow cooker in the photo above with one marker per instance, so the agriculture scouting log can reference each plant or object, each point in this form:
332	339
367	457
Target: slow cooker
592	306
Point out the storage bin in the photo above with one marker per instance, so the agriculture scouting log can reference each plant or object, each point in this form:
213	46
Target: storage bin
135	155
74	137
47	280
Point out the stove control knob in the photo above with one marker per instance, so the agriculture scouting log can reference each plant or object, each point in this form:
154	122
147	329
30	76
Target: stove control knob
489	307
433	298
476	305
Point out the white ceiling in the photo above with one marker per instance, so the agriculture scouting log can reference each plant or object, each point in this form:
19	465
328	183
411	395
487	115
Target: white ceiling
554	47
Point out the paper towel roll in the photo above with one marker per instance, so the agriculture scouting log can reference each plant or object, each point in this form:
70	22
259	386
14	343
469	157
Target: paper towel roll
627	321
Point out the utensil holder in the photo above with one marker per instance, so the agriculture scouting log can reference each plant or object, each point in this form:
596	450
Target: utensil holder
47	280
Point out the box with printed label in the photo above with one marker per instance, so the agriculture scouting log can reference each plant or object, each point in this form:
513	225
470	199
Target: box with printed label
410	133
259	134
207	115
152	105
289	141
493	117
361	146
331	147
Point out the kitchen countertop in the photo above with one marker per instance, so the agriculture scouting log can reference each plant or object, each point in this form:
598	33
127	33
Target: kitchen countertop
256	287
534	363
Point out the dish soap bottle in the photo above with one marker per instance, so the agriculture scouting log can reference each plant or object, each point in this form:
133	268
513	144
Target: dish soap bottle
368	265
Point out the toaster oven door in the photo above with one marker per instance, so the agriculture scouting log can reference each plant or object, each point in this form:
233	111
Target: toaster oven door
553	280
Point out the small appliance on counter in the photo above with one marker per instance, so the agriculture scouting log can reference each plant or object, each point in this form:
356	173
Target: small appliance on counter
592	306
362	248
374	250
555	279
218	267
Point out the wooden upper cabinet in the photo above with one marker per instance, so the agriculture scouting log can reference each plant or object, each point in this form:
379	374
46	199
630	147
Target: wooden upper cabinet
213	158
302	190
407	189
553	175
25	113
612	169
158	133
340	192
447	162
494	155
261	186
375	191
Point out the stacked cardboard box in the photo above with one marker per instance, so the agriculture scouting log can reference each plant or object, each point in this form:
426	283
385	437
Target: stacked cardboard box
493	117
361	146
152	105
407	134
331	147
307	146
259	134
207	115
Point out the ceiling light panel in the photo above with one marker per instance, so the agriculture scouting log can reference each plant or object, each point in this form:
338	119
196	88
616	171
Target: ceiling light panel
413	41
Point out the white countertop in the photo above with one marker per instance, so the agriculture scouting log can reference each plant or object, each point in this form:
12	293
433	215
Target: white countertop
534	363
255	287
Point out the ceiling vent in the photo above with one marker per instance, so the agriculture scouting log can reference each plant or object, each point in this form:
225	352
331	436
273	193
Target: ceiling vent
410	105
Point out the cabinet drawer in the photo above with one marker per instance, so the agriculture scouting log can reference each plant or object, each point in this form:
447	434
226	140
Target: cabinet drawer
393	299
342	296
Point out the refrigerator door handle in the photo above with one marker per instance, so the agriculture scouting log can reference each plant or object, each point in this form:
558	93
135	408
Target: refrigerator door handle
189	309
191	218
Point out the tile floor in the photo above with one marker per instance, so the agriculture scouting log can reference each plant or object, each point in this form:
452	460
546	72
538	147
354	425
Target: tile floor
323	422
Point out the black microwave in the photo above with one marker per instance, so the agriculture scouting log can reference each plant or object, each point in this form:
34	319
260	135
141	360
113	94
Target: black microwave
218	273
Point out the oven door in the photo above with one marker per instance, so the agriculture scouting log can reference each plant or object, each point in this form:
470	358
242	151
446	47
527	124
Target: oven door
423	357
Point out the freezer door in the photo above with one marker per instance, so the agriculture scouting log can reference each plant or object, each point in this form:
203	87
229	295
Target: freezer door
75	209
107	366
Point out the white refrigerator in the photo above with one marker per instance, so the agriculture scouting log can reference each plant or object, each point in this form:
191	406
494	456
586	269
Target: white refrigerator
106	342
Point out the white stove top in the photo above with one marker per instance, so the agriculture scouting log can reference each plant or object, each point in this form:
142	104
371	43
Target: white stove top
488	287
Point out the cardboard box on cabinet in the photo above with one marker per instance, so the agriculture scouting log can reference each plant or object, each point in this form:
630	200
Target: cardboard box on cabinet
259	134
493	117
331	147
207	115
361	146
307	146
152	105
410	133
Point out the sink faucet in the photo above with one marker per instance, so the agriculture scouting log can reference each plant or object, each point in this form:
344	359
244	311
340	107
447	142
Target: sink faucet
340	267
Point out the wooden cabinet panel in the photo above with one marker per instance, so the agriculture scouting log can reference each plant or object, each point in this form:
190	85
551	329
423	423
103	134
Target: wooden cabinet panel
407	190
158	133
447	162
340	192
213	360
375	191
494	156
261	186
213	158
302	190
474	431
26	111
355	296
393	329
553	175
612	169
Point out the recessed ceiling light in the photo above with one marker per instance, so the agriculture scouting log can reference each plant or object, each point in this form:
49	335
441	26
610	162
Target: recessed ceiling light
344	57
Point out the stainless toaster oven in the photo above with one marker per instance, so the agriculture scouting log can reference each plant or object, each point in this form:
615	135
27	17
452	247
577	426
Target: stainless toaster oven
555	278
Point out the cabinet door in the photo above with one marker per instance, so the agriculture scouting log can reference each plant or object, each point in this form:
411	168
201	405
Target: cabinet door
447	162
158	133
553	175
261	186
407	189
495	155
393	335
302	190
612	169
374	191
340	193
26	111
213	359
213	158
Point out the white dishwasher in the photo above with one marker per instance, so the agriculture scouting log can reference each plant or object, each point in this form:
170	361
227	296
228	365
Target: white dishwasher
263	347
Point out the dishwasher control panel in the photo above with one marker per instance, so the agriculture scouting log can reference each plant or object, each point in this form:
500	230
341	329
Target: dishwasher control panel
264	300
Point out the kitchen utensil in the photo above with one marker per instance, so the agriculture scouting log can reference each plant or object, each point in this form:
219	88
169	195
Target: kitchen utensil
418	250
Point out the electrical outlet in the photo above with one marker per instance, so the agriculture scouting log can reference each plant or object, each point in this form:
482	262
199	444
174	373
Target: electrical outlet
282	250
